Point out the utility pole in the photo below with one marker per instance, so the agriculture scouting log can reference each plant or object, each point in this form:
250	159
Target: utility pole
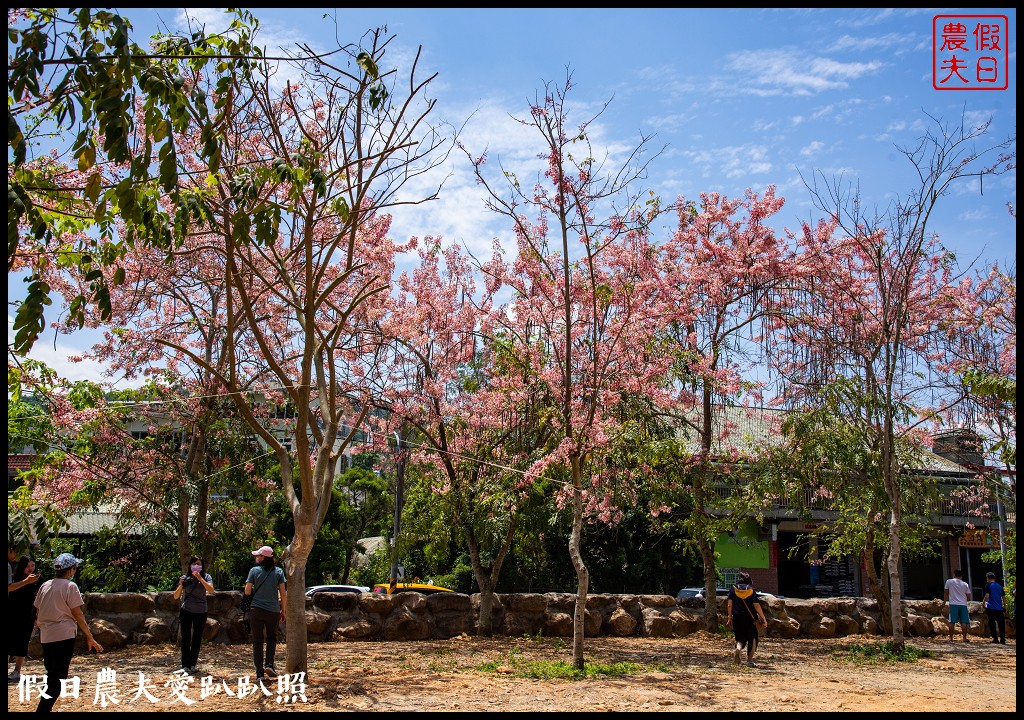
399	490
1001	513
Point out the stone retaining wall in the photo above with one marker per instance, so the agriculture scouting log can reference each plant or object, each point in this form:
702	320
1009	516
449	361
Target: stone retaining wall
119	619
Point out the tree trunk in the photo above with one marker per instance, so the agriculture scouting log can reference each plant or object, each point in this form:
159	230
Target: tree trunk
582	575
296	558
184	538
890	481
878	586
487	579
707	554
348	566
895	589
886	602
485	624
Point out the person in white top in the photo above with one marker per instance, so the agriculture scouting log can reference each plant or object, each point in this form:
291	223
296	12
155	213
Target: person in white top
957	593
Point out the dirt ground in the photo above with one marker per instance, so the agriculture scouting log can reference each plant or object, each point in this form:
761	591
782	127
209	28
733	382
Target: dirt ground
681	674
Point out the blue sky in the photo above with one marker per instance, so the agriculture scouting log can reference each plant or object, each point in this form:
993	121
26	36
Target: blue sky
739	99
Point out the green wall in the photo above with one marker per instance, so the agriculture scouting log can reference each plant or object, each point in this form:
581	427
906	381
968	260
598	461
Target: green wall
744	550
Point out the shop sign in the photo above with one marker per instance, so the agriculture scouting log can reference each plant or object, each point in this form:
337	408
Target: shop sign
978	539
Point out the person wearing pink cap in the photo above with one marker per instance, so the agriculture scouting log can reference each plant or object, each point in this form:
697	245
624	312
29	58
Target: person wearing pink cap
266	584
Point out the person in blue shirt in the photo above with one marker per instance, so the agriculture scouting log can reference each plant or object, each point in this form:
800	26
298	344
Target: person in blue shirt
266	584
994	608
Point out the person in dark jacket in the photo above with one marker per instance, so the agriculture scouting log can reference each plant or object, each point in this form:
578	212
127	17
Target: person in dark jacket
746	616
22	612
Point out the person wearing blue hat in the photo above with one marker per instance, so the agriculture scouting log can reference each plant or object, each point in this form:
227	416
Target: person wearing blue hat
59	615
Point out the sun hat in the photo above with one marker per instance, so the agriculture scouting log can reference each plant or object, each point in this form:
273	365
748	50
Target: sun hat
65	561
265	551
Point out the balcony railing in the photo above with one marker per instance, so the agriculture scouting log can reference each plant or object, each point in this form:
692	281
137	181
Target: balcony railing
948	508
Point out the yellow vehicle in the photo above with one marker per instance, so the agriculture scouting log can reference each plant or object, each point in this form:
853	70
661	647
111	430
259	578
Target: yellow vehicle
423	588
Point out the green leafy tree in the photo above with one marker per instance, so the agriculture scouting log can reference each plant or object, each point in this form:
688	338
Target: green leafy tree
31	523
875	293
360	507
830	462
365	507
79	74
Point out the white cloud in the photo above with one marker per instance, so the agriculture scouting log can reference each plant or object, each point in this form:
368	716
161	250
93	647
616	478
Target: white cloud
459	214
214	20
670	122
735	162
761	125
55	352
894	41
812	148
791	72
823	112
975	215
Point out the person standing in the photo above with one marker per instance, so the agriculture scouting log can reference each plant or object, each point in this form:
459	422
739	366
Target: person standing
266	583
195	585
746	616
12	556
994	609
21	593
12	559
956	593
59	610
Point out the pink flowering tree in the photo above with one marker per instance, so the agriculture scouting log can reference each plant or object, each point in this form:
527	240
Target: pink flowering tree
166	323
722	271
584	305
155	455
474	425
288	248
982	330
330	155
868	331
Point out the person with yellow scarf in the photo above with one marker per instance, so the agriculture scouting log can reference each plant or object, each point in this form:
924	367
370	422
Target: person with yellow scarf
746	616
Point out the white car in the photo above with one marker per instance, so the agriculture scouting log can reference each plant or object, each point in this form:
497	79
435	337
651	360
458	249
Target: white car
689	592
310	592
720	592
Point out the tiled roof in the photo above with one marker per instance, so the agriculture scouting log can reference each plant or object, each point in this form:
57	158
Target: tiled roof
19	462
750	429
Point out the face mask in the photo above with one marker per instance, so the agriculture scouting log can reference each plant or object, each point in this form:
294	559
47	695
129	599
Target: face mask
196	568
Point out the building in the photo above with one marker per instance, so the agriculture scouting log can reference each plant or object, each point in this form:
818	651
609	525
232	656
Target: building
782	553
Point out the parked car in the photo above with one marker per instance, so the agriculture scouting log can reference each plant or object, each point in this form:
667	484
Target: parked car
724	592
310	592
698	592
423	588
